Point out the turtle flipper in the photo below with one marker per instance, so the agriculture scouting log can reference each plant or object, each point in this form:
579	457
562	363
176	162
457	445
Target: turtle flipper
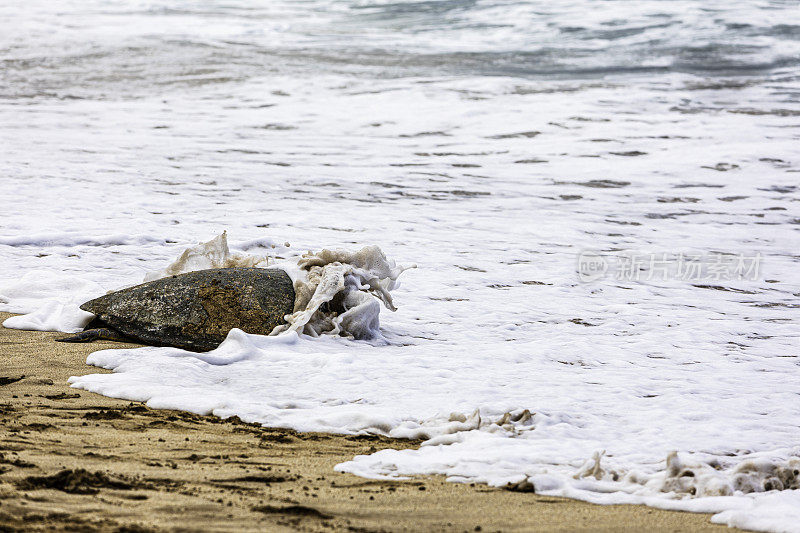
96	334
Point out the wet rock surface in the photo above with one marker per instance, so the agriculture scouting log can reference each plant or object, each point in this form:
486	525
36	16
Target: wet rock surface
195	311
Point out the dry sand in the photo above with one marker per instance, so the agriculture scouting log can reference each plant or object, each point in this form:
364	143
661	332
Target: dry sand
73	460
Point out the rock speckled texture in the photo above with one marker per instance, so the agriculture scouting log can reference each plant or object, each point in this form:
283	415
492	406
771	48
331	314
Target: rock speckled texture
195	311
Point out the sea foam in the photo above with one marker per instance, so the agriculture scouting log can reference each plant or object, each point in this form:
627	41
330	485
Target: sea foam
495	144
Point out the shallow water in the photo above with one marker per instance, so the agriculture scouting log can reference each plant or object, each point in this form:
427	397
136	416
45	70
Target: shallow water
491	143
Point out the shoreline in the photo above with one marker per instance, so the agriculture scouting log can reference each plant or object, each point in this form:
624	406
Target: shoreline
70	459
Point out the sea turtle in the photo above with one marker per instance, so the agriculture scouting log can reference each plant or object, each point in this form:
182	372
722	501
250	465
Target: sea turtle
194	311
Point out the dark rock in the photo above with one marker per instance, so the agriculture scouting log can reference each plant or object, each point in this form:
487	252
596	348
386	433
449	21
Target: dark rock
196	310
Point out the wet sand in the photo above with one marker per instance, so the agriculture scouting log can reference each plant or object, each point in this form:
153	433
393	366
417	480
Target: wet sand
77	461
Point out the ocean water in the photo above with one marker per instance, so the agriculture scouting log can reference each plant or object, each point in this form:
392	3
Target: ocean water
602	199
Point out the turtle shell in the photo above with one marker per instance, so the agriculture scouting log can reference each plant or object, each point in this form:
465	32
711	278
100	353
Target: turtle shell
196	310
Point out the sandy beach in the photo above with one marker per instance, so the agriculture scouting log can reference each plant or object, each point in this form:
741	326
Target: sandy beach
72	460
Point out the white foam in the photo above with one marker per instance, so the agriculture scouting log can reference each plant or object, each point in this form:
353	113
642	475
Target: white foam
776	512
323	385
212	254
50	300
351	278
493	184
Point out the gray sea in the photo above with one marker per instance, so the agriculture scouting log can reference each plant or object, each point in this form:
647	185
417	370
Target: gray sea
602	198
